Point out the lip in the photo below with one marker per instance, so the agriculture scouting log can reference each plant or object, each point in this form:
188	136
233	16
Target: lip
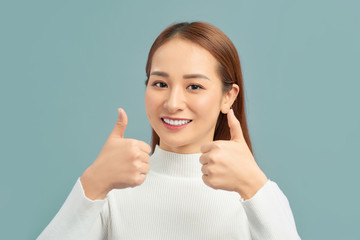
171	127
175	118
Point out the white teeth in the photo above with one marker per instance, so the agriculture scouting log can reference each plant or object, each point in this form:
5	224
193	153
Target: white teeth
175	122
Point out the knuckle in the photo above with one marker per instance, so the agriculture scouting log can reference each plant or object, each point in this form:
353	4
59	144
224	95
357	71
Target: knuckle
202	159
135	166
136	155
145	168
138	166
217	145
139	179
133	182
211	158
147	159
132	143
215	156
148	148
145	147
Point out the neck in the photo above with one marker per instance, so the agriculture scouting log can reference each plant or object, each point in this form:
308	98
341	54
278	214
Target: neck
175	164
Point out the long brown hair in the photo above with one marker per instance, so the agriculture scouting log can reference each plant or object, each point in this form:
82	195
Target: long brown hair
221	47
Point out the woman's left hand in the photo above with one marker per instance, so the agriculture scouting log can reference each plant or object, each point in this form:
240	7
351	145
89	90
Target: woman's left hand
230	165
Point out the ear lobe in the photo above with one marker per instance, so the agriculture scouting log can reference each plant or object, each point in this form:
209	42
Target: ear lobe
229	99
224	110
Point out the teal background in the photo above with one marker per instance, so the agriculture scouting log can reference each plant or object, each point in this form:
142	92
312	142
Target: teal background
66	66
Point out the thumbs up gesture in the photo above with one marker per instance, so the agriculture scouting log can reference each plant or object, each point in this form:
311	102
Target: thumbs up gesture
122	163
229	165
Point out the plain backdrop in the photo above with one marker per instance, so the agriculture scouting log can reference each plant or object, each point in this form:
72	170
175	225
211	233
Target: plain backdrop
66	66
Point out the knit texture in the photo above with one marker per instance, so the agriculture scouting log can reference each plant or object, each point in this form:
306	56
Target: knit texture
174	203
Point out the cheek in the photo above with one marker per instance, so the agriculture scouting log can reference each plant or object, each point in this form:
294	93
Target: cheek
151	103
207	105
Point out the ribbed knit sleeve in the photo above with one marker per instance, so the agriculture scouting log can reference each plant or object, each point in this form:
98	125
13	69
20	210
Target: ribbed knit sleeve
78	218
269	214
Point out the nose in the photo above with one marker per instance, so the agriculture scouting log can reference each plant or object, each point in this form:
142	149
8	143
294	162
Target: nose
175	100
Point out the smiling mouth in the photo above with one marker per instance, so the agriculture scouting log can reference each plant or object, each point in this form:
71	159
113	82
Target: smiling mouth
175	122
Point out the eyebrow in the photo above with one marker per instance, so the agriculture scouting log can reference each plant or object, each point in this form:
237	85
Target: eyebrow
187	76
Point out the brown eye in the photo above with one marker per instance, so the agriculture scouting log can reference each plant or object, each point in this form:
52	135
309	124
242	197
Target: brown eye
159	84
195	87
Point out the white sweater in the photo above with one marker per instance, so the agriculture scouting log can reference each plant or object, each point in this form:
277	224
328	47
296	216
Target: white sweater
174	203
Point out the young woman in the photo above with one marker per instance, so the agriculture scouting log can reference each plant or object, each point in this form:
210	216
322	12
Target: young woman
199	180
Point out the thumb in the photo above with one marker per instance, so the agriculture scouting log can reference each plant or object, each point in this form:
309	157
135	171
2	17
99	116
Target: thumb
120	124
234	125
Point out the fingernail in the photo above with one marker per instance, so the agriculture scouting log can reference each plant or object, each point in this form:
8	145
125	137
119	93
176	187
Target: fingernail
119	112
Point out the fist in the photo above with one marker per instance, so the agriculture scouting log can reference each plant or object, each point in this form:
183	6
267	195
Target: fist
121	163
230	165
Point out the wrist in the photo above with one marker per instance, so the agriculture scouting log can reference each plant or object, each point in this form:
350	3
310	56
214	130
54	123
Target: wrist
253	186
94	188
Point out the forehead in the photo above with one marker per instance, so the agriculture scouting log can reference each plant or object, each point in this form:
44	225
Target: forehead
183	55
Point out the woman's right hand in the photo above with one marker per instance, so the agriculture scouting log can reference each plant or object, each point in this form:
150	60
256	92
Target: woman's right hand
121	163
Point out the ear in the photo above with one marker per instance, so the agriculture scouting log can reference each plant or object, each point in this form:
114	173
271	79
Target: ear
229	98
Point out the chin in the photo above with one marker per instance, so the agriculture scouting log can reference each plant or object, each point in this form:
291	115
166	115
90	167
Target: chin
174	142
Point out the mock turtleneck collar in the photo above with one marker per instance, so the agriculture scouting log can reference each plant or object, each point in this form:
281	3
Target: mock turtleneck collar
175	164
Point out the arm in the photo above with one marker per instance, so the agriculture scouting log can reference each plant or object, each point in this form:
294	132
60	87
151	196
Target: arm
269	214
78	217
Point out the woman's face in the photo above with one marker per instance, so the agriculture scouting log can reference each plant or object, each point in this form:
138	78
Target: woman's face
184	86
